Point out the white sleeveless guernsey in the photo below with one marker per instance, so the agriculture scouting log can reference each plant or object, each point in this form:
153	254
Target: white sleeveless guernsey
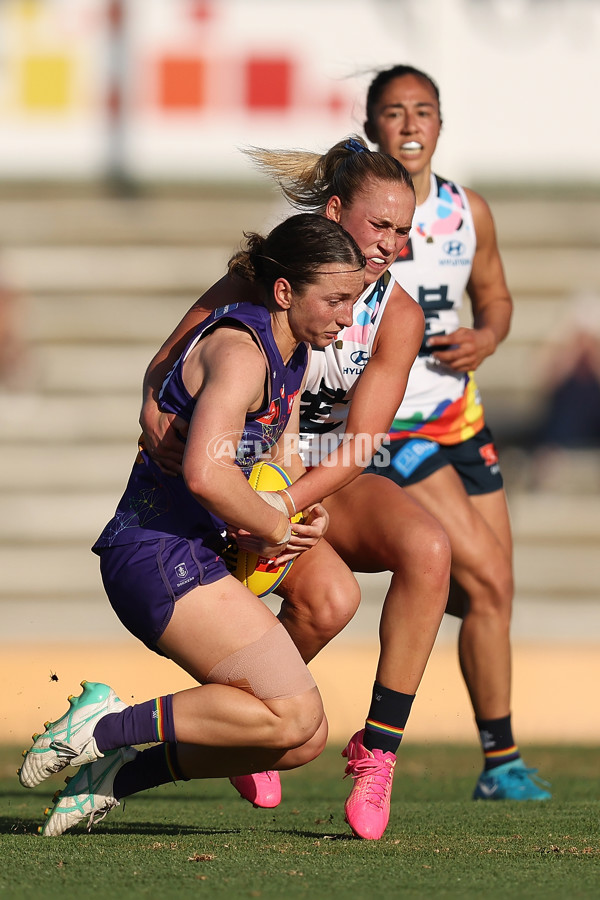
333	372
434	268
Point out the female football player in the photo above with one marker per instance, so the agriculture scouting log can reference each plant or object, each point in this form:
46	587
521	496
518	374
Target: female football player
442	451
257	706
352	391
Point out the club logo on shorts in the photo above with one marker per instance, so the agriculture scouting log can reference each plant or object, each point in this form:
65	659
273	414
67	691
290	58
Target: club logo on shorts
489	454
181	570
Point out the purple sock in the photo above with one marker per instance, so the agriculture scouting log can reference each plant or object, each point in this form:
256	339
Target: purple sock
145	723
151	767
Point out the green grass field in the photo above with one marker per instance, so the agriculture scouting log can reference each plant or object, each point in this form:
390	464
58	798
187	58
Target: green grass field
200	839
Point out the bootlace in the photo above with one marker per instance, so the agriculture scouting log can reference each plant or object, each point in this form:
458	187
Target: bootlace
377	779
101	812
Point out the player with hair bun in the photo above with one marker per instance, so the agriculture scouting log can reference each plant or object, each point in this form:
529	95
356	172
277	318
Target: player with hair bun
352	391
240	375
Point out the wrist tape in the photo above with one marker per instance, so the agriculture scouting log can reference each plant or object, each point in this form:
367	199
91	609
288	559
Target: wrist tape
278	503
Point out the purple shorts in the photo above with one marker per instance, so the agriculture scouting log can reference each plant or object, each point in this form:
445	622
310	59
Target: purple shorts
143	580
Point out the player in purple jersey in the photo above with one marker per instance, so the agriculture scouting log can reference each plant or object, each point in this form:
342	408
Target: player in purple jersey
258	706
374	526
442	452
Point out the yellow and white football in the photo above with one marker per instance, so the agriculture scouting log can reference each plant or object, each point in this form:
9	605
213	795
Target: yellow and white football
259	574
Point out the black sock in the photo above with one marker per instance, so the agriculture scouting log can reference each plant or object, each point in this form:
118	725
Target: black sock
497	742
387	717
154	766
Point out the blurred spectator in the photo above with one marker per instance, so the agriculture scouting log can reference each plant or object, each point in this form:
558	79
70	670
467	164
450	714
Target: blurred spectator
571	372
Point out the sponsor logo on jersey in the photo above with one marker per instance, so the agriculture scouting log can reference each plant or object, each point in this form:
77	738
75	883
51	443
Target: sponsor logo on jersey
455	254
454	248
272	415
359	357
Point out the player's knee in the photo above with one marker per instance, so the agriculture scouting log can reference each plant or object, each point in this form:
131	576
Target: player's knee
493	589
498	579
503	594
300	719
429	550
507	586
439	552
309	750
337	605
325	607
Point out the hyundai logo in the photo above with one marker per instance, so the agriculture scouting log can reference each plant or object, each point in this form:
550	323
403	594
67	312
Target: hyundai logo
454	248
359	357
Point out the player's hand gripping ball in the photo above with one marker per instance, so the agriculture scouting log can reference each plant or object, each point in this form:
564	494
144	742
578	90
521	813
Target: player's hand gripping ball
260	574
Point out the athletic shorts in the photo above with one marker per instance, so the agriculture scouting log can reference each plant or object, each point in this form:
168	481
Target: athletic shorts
410	460
143	581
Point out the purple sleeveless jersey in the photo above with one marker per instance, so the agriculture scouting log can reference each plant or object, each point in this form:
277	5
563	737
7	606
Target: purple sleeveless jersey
154	504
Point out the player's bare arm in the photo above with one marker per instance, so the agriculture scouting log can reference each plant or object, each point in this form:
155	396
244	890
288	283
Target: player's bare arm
227	373
163	433
490	298
316	518
310	530
377	396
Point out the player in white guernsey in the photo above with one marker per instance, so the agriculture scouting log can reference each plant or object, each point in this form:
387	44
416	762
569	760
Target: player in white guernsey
354	390
441	450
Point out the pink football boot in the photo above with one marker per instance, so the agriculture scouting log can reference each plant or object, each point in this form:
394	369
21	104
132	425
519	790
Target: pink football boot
262	789
368	806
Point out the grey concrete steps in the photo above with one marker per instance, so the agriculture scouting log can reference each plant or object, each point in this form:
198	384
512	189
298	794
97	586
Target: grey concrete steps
46	517
64	468
56	420
112	318
551	270
176	221
546	222
550	516
92	368
557	570
121	269
40	572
